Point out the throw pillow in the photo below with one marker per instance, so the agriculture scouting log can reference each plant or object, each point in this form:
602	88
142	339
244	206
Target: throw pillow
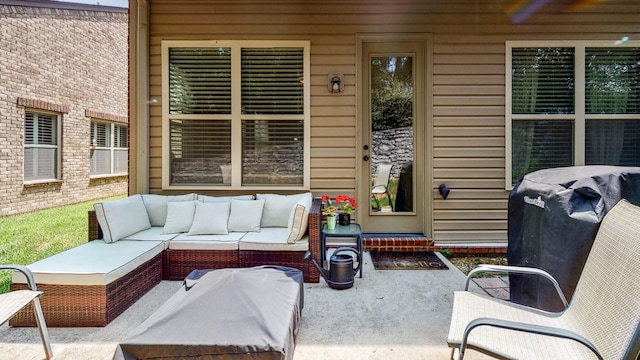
179	216
210	218
277	208
299	219
121	218
245	215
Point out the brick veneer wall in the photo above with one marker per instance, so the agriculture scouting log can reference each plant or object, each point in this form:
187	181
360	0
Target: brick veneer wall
65	58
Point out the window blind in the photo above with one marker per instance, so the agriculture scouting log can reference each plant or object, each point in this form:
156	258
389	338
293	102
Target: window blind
272	152
40	129
199	80
99	135
541	144
40	163
40	149
272	81
612	80
121	136
612	142
198	149
543	80
100	161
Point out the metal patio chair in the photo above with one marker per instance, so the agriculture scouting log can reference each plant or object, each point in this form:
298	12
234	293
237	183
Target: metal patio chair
602	321
14	301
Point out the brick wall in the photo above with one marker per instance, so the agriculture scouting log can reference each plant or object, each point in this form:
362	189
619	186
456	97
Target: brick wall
69	60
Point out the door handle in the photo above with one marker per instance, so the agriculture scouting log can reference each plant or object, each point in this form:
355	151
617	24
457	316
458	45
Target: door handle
365	158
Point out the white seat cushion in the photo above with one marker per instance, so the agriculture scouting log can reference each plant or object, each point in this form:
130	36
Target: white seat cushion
93	263
272	239
154	233
206	242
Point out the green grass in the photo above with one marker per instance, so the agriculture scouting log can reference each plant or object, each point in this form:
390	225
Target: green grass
383	199
27	238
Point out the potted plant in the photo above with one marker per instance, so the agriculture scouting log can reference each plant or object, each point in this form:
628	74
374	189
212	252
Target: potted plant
345	206
331	213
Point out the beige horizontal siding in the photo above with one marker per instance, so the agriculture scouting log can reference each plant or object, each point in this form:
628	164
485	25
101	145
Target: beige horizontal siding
467	84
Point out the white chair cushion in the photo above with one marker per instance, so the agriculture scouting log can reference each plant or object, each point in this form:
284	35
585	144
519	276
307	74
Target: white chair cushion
245	215
93	263
299	219
179	216
210	218
156	206
122	217
272	239
277	208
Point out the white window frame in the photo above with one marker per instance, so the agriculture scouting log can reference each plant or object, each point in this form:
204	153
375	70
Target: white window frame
579	117
111	147
235	116
57	146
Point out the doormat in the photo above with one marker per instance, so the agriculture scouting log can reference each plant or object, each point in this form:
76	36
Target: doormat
422	260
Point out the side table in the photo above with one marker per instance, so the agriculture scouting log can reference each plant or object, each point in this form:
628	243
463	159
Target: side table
352	230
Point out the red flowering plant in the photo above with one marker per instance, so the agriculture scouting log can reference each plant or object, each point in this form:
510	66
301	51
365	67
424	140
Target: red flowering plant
327	208
344	203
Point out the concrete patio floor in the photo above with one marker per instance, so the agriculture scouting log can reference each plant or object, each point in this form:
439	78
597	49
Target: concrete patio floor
386	315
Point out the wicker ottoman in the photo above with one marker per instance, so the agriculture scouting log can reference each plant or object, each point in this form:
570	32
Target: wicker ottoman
90	285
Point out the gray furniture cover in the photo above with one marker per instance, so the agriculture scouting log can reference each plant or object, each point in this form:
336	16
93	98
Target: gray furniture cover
245	313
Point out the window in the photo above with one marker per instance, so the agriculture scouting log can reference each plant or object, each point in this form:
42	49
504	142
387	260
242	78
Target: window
571	104
236	115
41	146
109	149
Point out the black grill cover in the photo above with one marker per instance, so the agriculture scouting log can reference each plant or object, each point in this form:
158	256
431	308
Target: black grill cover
554	215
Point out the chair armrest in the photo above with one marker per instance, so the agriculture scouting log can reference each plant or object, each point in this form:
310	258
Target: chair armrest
530	328
94	230
517	270
315	226
24	270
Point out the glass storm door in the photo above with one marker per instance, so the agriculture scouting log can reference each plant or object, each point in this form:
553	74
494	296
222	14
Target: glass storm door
392	137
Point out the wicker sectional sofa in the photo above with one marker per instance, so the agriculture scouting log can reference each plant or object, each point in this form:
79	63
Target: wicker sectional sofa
137	241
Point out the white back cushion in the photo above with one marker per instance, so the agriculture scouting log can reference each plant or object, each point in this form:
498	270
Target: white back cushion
218	199
156	206
122	217
179	216
245	215
277	208
210	218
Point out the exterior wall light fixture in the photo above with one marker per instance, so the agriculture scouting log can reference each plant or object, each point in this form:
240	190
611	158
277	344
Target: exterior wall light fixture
335	82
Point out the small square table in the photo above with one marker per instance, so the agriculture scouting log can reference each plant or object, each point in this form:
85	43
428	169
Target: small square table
353	230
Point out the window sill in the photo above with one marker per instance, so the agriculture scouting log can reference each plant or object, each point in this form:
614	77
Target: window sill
42	183
108	176
230	188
